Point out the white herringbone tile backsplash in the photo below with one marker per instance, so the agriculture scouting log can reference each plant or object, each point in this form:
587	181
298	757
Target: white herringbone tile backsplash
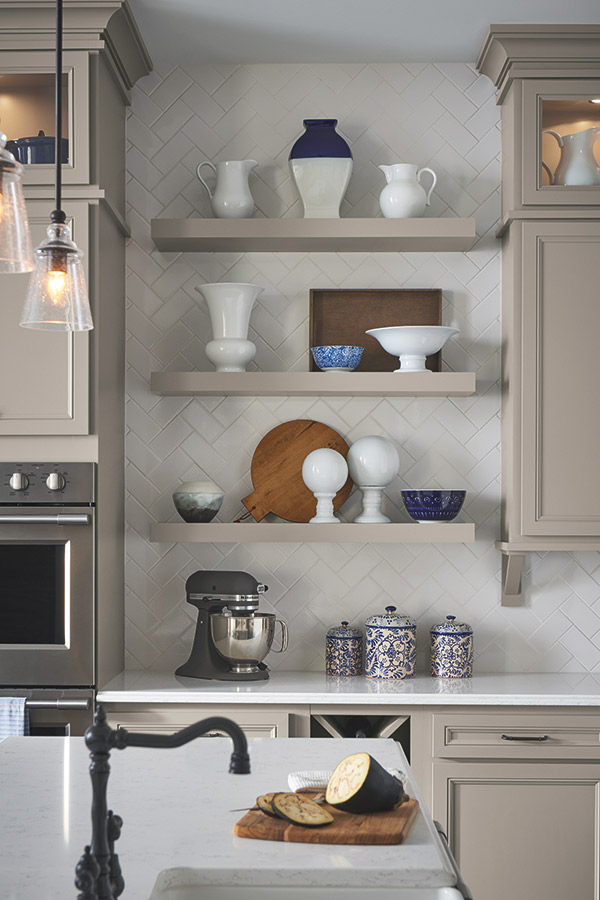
442	116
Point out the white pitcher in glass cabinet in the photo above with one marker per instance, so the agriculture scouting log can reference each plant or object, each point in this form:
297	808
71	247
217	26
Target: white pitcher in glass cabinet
231	198
404	197
577	164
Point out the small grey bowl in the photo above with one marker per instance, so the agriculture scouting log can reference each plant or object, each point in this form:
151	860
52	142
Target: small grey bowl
198	501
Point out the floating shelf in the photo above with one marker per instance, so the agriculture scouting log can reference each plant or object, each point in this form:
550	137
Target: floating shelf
345	532
322	384
313	235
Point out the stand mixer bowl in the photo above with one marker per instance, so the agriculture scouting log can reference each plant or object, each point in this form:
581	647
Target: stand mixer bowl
244	641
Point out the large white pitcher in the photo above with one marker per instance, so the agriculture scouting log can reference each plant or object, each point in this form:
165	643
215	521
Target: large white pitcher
231	198
577	164
404	197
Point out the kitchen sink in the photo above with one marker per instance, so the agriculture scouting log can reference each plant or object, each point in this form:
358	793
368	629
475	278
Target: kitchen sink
186	884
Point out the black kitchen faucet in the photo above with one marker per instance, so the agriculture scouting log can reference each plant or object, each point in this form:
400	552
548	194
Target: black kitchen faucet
98	873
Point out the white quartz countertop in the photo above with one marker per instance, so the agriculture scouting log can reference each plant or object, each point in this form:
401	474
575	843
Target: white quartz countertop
179	807
316	688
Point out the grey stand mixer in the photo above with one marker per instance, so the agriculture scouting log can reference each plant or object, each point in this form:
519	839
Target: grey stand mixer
231	638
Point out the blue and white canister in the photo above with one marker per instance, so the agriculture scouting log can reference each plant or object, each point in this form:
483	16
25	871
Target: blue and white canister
451	649
391	645
321	165
344	651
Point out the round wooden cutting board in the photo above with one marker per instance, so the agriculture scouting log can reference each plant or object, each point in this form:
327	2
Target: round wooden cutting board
277	470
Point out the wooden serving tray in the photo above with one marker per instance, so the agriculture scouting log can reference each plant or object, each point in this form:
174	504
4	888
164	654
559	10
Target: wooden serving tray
339	316
347	828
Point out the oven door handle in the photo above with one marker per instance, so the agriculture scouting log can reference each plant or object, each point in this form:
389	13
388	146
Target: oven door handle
58	519
57	704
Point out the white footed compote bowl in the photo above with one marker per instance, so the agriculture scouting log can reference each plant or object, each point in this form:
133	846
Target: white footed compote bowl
412	344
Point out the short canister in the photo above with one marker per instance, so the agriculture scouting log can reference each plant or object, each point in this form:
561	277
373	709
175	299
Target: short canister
391	646
451	649
344	651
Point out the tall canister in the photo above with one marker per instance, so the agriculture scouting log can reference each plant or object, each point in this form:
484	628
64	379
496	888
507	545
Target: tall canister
344	651
451	649
391	646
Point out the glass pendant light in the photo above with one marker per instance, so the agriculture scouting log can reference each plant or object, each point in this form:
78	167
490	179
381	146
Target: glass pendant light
15	243
57	298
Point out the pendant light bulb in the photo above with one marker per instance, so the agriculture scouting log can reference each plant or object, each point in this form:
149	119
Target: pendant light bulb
57	298
15	243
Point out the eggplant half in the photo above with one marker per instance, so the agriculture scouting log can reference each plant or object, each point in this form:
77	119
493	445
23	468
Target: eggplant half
265	803
360	785
300	810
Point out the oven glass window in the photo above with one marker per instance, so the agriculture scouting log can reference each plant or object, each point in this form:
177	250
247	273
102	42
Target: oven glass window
32	593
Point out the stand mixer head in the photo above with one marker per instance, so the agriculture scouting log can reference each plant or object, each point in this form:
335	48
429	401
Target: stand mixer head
231	638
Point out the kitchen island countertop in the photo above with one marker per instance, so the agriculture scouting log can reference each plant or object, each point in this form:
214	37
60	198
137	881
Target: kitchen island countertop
315	688
179	807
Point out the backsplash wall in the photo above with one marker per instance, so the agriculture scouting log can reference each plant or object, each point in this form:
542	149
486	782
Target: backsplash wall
442	116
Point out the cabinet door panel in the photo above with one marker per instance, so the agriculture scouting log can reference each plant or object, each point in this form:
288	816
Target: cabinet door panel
561	378
522	831
43	375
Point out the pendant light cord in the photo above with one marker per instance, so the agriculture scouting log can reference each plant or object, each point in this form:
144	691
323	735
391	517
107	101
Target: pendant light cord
58	216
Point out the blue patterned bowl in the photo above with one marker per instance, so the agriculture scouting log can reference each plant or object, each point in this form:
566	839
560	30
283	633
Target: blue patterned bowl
337	357
198	501
433	506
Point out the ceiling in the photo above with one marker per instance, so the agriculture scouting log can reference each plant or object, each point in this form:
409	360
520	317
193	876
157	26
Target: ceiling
317	31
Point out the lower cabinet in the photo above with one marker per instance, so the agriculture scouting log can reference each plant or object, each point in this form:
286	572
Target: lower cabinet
519	795
267	721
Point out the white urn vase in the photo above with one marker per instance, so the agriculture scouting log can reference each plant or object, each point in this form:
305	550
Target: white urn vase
229	305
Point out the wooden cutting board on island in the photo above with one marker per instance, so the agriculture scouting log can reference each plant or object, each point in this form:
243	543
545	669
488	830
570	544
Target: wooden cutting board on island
391	827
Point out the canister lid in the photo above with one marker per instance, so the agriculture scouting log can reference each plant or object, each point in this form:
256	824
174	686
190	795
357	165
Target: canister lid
391	619
451	627
344	631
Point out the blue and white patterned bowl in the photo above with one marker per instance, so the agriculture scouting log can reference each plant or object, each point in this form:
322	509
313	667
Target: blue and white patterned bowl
433	506
337	357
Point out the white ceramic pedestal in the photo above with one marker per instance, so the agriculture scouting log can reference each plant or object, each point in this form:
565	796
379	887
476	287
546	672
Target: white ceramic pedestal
371	505
229	305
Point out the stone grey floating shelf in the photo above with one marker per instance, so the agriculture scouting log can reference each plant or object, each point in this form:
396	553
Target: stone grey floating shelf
313	235
345	532
322	384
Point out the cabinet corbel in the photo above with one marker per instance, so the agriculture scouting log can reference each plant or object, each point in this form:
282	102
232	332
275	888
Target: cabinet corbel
512	569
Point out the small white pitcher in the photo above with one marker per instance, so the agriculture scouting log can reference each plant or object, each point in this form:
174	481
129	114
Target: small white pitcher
404	197
231	198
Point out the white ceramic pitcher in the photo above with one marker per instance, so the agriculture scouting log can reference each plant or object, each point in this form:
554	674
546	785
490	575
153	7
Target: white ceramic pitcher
577	164
404	197
231	198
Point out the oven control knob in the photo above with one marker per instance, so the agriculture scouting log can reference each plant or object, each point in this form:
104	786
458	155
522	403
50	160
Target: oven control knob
19	482
55	482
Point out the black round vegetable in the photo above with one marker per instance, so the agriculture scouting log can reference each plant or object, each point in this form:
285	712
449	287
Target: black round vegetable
360	785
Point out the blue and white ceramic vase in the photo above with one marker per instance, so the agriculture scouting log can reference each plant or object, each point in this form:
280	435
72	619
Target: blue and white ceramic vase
391	645
321	164
451	649
344	651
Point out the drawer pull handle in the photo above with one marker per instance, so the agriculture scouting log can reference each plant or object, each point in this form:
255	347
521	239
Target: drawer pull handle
516	737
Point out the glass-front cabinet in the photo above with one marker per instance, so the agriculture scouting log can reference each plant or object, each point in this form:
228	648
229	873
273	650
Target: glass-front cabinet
27	114
560	137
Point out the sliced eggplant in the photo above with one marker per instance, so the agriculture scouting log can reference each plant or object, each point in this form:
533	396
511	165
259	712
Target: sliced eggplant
300	810
360	785
264	803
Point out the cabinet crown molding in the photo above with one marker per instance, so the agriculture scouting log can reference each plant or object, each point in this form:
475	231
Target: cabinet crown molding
539	51
106	25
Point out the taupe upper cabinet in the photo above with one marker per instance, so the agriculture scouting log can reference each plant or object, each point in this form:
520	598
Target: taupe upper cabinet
547	77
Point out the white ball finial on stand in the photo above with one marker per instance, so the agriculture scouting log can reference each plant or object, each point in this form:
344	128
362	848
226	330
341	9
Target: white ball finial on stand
324	472
373	462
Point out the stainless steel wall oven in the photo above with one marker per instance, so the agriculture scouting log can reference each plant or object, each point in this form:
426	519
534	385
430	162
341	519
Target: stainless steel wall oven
47	578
